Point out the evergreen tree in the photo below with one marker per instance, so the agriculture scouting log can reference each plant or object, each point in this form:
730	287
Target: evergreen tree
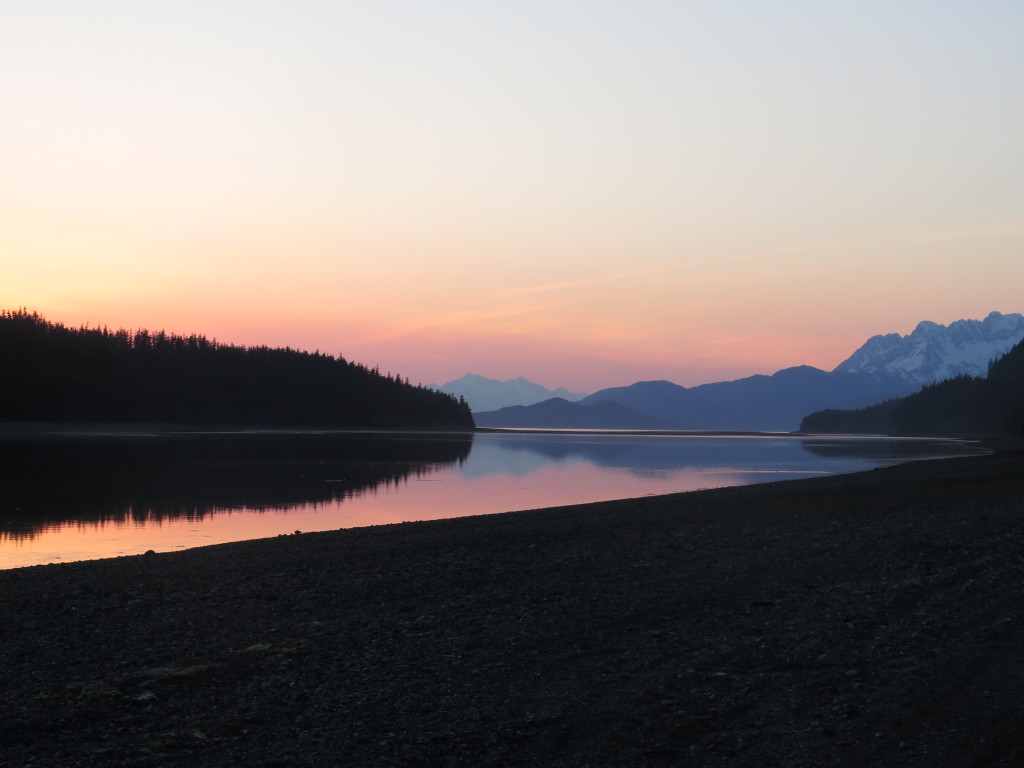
964	405
56	373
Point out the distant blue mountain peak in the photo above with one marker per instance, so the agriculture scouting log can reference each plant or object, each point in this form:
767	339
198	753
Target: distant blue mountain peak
484	394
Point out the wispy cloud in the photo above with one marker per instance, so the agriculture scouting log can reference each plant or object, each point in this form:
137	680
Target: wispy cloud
508	311
571	284
505	318
1005	228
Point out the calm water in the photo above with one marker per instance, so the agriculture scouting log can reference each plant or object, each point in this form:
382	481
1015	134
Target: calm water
85	496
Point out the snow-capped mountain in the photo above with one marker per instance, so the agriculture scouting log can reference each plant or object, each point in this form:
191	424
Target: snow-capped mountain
485	394
936	352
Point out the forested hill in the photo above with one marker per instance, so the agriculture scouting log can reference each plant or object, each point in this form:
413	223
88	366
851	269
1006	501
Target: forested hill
965	405
50	372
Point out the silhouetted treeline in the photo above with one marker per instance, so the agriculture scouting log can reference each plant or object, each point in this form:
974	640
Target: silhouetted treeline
873	420
965	405
49	372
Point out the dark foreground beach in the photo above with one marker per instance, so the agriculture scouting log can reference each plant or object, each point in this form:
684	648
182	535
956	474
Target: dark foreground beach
873	619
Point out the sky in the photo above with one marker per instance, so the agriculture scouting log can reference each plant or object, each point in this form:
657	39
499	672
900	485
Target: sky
587	194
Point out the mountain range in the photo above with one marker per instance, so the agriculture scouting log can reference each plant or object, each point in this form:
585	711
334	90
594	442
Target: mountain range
484	394
885	367
964	405
561	414
773	403
936	352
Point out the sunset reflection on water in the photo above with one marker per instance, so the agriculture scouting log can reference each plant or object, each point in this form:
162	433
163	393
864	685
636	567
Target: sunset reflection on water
446	494
501	473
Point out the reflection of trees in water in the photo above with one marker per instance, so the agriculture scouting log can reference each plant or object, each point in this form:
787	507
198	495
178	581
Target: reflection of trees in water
887	449
651	455
133	478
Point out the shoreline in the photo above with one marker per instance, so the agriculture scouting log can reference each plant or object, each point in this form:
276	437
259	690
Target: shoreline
100	429
53	537
26	429
865	618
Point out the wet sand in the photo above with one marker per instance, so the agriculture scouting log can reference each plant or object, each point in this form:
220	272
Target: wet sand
866	619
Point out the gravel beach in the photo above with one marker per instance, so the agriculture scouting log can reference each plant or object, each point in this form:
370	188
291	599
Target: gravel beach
871	619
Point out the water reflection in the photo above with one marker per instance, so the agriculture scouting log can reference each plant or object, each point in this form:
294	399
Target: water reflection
72	497
887	450
523	453
151	478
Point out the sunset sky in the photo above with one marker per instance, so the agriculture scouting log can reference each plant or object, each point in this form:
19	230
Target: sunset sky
586	194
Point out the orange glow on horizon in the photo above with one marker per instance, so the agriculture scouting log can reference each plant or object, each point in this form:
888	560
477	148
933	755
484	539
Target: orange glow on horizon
553	359
673	193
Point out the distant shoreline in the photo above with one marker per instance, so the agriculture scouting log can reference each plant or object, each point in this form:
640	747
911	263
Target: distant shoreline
118	428
711	433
